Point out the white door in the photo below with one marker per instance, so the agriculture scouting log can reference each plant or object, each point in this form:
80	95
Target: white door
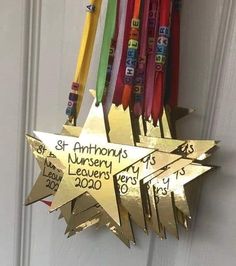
39	40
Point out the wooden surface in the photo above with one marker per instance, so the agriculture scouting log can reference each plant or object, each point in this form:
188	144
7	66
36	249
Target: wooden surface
39	41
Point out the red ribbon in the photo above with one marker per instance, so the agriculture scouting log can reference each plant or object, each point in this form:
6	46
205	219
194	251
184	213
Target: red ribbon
141	71
121	73
126	97
158	99
150	77
175	60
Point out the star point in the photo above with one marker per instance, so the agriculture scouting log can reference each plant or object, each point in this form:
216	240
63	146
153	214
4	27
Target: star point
90	163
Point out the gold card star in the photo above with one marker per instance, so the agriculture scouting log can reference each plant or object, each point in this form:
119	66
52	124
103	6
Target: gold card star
129	181
168	192
49	178
82	218
41	190
153	219
120	130
87	212
191	149
66	211
90	163
155	197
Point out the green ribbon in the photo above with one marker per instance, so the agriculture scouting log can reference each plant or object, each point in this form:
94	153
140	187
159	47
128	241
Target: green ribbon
108	35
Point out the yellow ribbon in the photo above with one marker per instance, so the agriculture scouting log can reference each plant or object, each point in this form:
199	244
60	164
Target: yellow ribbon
86	49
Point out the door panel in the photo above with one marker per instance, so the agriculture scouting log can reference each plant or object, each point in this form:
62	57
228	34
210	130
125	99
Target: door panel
12	101
40	47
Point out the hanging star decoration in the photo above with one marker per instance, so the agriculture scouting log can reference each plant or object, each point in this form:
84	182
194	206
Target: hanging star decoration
96	181
119	169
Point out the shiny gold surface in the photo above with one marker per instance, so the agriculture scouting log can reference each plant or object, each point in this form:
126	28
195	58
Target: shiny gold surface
90	163
161	144
66	211
191	149
195	149
169	192
165	202
49	178
111	183
130	187
71	130
83	217
120	126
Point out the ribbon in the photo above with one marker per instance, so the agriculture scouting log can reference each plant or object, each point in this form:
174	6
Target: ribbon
152	37
120	29
172	98
112	55
141	71
132	55
106	49
139	65
84	58
161	58
121	72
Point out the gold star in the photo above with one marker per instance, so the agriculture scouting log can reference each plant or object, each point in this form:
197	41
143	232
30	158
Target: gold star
82	218
49	178
188	149
192	149
41	190
166	192
130	180
151	190
91	155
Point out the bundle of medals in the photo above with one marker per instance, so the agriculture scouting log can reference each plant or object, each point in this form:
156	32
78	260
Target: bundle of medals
124	166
